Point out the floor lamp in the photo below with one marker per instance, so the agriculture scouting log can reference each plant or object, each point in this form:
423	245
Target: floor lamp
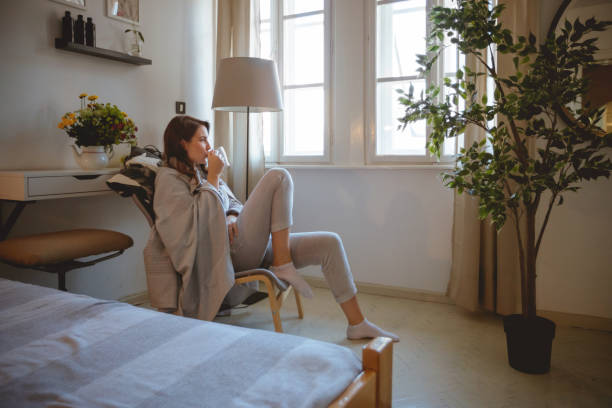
246	84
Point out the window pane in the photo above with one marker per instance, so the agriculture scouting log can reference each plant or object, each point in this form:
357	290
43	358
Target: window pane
304	50
265	39
450	58
401	31
301	6
265	30
390	140
304	121
264	9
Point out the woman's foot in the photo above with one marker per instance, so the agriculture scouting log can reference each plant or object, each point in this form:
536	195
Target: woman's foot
368	330
287	272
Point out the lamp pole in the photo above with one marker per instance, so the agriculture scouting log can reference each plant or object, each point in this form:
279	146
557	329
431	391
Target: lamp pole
247	154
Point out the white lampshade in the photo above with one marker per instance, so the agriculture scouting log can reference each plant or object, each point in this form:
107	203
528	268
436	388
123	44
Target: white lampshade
247	82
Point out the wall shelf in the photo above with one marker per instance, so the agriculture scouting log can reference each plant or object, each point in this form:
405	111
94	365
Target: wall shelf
100	52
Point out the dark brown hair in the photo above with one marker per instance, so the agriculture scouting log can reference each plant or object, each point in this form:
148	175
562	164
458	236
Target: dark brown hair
181	127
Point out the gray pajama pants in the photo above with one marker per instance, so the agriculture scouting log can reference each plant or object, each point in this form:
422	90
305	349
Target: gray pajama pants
269	209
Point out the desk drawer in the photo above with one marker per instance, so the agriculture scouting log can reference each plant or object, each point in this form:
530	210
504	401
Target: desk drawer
57	185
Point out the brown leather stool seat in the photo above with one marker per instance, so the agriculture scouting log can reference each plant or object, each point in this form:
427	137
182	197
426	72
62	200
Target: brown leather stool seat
56	252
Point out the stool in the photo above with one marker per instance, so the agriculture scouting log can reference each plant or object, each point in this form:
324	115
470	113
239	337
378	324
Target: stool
56	252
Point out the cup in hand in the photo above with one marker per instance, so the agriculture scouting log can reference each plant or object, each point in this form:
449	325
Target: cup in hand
221	152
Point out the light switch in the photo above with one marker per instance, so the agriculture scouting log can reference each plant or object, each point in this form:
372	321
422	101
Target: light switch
180	108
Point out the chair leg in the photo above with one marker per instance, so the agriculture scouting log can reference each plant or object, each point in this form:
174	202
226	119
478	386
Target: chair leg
274	307
298	302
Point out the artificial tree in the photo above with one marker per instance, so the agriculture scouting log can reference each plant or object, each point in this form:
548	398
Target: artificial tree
502	170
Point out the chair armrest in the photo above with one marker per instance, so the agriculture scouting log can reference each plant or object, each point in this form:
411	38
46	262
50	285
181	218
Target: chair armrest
261	271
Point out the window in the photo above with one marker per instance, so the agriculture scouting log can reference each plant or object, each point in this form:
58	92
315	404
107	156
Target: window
368	63
400	28
295	33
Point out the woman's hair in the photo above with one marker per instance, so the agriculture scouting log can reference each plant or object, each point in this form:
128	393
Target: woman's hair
181	127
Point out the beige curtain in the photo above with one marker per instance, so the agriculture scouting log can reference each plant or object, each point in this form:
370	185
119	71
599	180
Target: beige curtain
236	38
485	272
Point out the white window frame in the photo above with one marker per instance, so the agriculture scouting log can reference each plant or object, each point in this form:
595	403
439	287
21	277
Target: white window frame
277	138
371	81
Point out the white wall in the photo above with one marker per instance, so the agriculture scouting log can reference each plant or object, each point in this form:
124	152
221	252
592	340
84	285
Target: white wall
39	84
395	223
575	261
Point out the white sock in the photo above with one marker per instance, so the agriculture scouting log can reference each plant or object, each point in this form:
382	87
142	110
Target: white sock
287	272
368	330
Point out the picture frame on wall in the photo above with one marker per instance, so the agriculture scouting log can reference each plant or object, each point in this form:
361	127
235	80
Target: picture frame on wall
79	4
127	11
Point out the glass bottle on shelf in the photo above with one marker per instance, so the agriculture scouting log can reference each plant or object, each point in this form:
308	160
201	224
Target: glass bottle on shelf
79	30
67	25
90	33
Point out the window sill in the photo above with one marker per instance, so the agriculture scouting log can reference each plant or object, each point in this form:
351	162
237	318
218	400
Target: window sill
428	166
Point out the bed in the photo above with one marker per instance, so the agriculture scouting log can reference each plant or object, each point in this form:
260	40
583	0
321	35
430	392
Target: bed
62	349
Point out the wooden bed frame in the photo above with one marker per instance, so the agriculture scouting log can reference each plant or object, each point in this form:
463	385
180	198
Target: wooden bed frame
372	387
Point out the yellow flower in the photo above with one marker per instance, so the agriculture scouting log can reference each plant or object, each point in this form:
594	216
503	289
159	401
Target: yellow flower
82	95
60	125
124	114
71	115
92	98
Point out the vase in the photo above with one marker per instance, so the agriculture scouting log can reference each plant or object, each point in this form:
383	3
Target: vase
91	157
133	44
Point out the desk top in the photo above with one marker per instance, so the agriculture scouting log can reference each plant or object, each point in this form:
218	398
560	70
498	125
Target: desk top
56	172
30	185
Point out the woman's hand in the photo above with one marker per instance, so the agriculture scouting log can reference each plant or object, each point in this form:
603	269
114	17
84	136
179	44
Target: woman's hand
215	167
232	227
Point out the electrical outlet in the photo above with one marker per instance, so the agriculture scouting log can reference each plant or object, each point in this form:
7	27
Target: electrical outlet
180	108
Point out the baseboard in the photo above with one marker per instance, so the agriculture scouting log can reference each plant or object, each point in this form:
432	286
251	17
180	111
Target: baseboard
564	319
561	319
392	291
136	299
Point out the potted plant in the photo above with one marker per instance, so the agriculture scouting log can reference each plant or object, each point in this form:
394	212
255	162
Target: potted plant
508	179
96	128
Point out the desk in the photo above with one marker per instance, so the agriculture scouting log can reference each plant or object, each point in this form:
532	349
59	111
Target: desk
24	187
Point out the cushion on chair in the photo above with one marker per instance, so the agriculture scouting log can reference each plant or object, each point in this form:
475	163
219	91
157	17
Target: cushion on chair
137	177
61	246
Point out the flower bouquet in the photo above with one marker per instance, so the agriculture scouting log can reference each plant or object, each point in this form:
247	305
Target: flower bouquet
98	124
96	128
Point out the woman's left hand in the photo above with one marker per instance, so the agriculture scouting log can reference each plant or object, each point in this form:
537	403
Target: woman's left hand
232	227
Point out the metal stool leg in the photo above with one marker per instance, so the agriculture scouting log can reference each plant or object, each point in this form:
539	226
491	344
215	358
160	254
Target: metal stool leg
61	281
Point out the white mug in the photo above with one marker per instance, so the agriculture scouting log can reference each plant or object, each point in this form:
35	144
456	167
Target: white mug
221	152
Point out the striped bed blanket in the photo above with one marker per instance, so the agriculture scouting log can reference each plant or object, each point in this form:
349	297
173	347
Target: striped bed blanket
65	350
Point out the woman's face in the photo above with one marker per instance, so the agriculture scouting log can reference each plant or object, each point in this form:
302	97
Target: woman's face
198	147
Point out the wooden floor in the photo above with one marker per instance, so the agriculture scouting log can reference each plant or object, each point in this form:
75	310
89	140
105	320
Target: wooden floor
451	358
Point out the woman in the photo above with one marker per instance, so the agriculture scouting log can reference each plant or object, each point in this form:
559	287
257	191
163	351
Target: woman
193	170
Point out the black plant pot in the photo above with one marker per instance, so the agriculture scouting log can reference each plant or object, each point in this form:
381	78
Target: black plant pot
529	343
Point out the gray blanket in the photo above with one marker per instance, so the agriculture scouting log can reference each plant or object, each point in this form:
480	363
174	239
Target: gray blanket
189	238
60	349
